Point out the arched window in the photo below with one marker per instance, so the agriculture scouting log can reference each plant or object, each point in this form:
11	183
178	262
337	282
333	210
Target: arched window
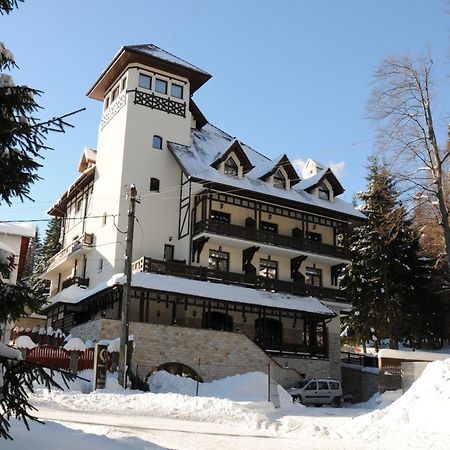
154	184
157	142
324	192
231	167
279	180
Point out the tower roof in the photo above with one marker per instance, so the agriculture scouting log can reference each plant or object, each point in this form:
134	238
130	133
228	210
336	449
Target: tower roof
147	54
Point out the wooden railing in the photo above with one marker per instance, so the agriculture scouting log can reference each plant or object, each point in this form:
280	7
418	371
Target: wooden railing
267	237
75	280
180	269
155	101
361	360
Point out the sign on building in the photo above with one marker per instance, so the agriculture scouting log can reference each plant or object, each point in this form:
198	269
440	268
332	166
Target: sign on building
100	366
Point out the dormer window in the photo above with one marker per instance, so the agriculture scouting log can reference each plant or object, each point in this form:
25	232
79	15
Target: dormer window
231	168
279	180
324	192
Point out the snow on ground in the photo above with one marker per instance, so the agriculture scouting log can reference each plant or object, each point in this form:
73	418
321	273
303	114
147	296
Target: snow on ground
233	413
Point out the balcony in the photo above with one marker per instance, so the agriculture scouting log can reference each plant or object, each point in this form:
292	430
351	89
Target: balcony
63	256
180	269
78	281
266	237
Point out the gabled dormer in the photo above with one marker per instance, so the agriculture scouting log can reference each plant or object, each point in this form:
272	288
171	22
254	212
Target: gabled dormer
233	162
312	168
87	160
323	184
280	173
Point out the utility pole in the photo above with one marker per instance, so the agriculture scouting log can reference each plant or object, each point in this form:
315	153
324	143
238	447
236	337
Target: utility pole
123	354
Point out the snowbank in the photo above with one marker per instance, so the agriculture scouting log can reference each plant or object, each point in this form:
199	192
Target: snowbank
9	352
247	387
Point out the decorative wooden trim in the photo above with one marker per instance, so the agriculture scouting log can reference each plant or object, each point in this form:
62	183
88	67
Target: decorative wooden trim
113	109
154	101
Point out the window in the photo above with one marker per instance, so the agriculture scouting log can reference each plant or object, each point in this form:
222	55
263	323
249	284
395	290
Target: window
115	93
161	86
176	91
168	252
78	205
106	102
311	386
219	216
323	386
218	260
100	265
315	237
231	168
145	81
268	226
324	192
124	83
154	184
334	385
279	180
313	276
157	142
268	269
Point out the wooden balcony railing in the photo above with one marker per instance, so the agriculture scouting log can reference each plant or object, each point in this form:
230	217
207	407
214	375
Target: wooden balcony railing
181	269
267	237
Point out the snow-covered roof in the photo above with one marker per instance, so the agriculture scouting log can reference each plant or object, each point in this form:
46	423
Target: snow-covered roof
87	159
204	289
156	52
18	229
412	356
210	142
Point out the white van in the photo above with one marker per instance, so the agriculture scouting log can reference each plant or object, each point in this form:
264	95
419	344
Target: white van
318	391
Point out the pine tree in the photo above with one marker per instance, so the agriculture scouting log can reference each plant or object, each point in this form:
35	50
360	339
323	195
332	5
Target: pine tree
386	277
52	244
22	140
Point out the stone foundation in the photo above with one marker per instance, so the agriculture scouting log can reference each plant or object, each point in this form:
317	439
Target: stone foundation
220	353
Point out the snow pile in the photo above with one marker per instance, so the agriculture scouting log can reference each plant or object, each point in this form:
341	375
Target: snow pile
114	346
247	387
9	352
75	345
25	342
426	404
380	401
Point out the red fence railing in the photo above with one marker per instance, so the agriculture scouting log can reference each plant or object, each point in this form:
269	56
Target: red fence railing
50	356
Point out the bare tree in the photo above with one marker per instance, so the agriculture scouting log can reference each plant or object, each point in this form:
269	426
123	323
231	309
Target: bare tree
401	105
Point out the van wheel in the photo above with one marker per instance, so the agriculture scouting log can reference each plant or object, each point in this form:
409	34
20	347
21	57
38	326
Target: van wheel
298	399
337	402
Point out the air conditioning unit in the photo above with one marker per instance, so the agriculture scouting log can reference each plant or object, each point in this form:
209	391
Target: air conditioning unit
88	239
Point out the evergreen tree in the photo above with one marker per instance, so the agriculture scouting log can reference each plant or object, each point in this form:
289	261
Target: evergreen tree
22	140
386	279
52	245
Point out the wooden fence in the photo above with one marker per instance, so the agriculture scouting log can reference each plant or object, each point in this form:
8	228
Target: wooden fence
59	358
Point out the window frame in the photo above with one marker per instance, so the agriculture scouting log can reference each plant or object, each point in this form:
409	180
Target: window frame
269	227
178	86
169	248
160	80
155	140
266	266
230	162
219	216
324	192
215	257
154	184
142	76
115	94
278	177
311	277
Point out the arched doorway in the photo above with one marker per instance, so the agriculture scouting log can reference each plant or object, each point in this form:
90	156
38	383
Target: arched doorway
215	320
176	368
268	330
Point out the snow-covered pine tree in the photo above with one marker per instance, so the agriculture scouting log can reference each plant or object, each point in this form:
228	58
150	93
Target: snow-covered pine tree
52	244
22	138
381	280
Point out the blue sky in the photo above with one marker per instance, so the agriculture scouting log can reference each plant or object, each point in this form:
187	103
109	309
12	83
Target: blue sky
288	77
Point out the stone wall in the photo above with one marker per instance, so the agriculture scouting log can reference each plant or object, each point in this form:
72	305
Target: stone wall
221	353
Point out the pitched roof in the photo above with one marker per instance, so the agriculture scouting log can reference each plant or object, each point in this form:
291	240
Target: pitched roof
314	181
216	291
235	147
150	55
209	143
274	165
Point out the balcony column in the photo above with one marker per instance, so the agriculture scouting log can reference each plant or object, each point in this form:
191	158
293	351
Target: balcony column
174	311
